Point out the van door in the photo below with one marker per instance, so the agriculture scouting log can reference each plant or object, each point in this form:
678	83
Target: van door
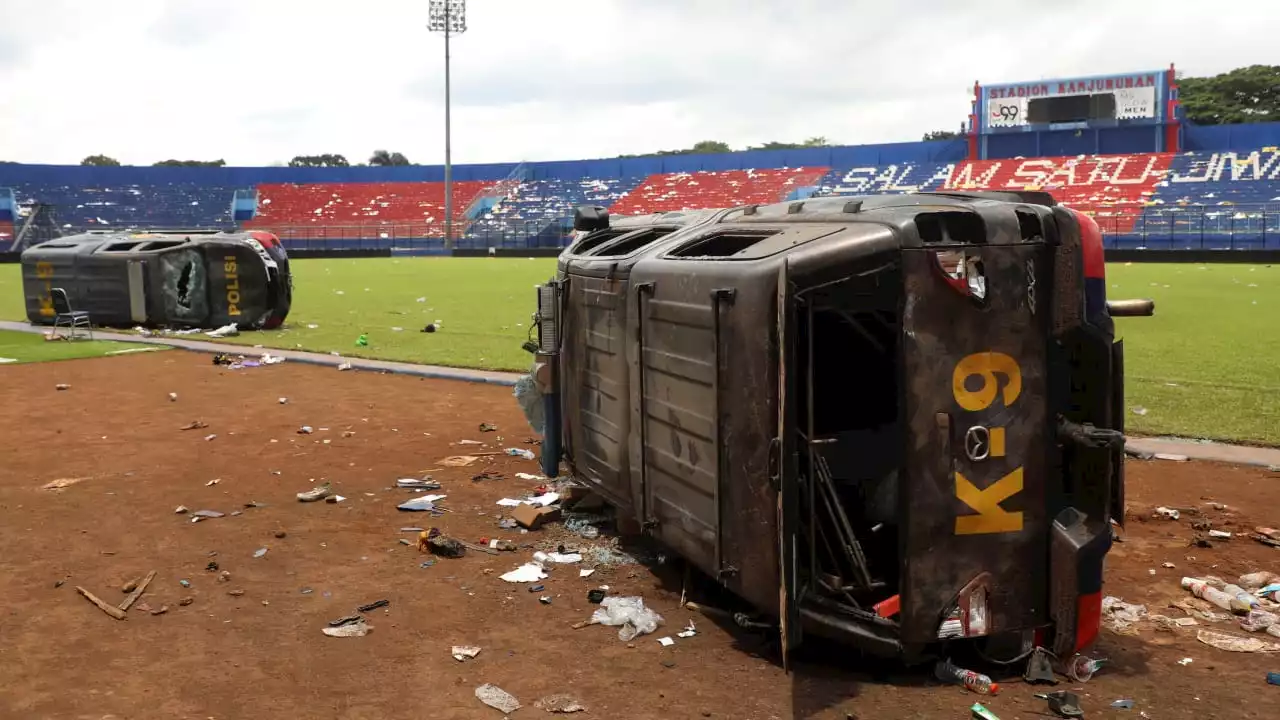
974	354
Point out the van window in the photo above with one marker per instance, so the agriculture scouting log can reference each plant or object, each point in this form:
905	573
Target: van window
184	285
635	243
721	244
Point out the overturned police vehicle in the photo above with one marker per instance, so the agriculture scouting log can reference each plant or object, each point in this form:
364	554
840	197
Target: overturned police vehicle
892	420
180	279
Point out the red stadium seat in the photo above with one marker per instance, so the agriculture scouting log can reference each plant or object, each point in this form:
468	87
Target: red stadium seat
1112	187
713	189
403	208
6	235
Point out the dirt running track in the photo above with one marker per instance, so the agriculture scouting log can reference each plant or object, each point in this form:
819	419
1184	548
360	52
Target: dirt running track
261	655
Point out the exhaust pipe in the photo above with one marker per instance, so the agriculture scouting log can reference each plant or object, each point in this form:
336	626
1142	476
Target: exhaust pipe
1131	308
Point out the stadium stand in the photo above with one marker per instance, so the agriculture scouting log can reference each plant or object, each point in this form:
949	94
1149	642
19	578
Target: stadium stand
699	190
418	208
179	205
6	233
1199	199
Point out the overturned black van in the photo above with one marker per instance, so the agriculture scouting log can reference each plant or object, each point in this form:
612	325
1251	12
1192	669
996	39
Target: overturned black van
162	278
892	420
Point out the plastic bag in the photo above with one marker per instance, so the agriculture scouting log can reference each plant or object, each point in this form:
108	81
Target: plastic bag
530	400
630	613
1258	620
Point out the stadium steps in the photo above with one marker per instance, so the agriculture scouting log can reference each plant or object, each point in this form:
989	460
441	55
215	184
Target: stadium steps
536	205
714	189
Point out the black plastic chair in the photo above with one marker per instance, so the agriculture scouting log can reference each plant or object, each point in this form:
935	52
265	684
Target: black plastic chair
65	317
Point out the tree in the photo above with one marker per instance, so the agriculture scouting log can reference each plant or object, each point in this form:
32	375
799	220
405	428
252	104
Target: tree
100	161
940	135
1244	95
326	160
190	163
813	142
385	159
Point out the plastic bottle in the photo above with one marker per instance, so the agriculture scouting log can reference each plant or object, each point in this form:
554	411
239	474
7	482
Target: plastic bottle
1202	590
1081	668
1244	600
947	672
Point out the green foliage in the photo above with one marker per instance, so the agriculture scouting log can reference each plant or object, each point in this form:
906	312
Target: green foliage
326	160
940	135
190	163
715	147
388	159
100	161
1244	95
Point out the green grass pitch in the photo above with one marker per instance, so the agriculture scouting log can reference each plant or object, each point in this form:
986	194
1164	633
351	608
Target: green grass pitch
1207	365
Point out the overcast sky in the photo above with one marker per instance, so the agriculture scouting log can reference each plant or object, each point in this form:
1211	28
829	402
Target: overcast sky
258	81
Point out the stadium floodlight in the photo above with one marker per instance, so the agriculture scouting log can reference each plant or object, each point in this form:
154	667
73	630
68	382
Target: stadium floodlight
448	17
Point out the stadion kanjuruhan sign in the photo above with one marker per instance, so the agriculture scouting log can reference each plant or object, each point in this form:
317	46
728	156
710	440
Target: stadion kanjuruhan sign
1137	96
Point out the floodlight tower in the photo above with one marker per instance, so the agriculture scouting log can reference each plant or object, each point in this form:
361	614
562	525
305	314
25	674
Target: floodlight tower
448	17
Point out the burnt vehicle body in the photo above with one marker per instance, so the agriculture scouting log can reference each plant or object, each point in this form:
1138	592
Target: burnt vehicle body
892	420
162	278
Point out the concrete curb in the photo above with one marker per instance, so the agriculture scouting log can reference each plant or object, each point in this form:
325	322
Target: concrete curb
435	372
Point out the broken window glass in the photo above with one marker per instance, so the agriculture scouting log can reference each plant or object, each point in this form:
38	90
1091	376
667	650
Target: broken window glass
184	286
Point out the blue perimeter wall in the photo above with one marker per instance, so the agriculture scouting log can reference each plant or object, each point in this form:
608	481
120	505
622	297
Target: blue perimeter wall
1208	138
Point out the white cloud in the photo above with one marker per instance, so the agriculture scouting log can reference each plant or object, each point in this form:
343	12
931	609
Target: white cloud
257	81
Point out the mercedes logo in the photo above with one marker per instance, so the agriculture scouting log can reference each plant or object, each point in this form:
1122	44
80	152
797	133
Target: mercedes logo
977	443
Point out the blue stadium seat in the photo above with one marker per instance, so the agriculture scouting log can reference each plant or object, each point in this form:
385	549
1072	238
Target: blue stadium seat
121	206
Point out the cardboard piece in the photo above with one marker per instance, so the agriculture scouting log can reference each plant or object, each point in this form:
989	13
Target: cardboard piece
532	516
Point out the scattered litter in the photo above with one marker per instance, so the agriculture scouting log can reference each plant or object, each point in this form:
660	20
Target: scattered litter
62	386
1063	703
61	483
689	631
560	703
666	641
545	599
1171	457
1273	678
530	476
442	546
207	438
334	499
497	698
317	493
422	503
1220	534
344	366
536	588
406	541
586	573
462	653
1185	661
522	453
425	483
259	552
595	597
529	572
224	331
982	713
373	606
1232	643
173	397
488	427
180	510
558	558
1168	513
195	425
458	460
629	613
306	430
207	514
468	442
351	629
1120	616
1139	410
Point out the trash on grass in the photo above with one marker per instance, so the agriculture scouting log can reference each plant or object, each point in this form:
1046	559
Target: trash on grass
462	653
317	493
628	612
527	573
1232	643
351	629
422	503
560	703
497	698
